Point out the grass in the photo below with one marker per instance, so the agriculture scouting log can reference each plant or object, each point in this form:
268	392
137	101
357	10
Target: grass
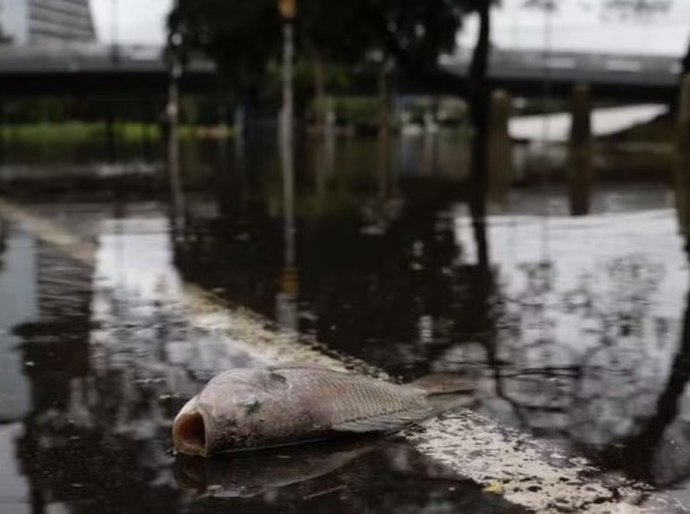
82	132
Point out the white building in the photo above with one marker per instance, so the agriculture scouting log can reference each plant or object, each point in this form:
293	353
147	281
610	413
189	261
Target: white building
46	21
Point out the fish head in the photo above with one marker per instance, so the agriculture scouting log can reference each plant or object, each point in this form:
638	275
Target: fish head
227	414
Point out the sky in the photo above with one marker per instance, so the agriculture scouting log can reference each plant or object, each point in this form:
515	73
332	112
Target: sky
578	25
138	21
582	25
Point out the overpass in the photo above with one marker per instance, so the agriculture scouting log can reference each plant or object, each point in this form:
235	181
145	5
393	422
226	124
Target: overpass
634	78
83	68
93	69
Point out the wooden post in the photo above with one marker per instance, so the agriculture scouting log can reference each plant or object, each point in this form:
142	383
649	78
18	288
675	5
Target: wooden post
3	127
499	146
580	162
684	112
110	136
682	160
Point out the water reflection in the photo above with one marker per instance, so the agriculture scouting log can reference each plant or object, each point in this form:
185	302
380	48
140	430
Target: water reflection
588	328
573	328
246	475
16	282
568	324
109	356
343	478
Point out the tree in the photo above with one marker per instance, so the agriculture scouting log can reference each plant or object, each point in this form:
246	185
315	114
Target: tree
243	36
332	33
240	36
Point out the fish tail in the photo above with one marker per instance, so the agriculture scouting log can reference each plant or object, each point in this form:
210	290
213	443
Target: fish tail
444	383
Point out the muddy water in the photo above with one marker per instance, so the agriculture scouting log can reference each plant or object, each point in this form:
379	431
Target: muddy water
576	331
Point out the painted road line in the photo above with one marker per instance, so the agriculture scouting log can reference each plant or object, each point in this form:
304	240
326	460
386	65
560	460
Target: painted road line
505	461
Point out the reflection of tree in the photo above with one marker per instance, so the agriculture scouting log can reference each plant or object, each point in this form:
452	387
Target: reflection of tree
581	385
635	9
97	438
96	432
573	358
378	273
611	9
410	483
636	453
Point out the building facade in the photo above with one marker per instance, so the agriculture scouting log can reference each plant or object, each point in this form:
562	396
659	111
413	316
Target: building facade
28	22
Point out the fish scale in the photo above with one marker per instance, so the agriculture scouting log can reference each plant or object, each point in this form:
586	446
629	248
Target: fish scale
358	397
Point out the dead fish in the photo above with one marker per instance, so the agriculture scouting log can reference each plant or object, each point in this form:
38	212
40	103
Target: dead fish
244	475
276	406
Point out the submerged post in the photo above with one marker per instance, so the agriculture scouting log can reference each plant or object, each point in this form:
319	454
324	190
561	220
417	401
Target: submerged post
499	146
684	114
110	144
580	161
682	161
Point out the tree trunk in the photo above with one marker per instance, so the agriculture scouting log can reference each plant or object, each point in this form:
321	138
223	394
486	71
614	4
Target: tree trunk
684	70
480	98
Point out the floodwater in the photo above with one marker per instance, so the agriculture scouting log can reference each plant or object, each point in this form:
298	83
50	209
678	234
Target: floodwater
575	329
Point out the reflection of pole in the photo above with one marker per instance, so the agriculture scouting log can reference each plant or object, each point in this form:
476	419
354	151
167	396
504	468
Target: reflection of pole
174	144
288	203
286	304
286	298
288	10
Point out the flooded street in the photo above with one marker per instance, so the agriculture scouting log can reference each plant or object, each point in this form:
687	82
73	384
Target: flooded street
114	311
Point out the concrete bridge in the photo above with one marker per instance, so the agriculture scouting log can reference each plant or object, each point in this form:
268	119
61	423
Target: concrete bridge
92	68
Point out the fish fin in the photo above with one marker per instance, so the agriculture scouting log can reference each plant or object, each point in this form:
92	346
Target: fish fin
444	383
384	422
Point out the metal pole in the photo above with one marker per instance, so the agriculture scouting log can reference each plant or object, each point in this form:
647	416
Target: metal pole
115	32
288	72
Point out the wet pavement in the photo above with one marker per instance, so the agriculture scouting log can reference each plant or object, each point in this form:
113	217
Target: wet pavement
575	333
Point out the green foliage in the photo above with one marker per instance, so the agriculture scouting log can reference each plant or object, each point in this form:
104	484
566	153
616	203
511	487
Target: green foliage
35	110
78	132
357	110
244	36
241	36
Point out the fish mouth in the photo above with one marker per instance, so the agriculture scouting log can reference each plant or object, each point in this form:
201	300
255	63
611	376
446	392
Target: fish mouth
189	431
